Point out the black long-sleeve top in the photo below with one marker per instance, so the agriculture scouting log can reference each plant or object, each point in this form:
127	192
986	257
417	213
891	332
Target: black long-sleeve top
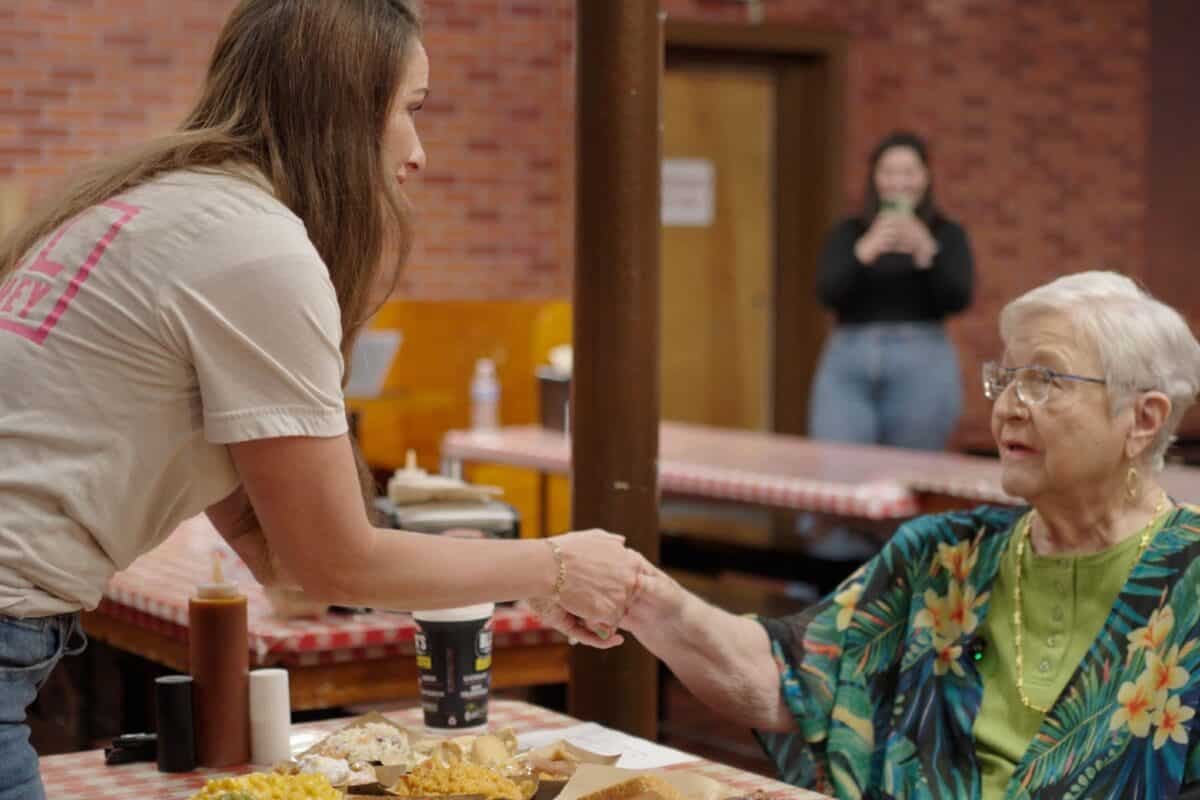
893	289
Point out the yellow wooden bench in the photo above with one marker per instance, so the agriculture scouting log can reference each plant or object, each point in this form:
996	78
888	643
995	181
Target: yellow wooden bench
426	391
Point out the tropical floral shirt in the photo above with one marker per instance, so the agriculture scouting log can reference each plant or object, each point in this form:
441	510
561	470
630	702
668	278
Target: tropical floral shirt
884	690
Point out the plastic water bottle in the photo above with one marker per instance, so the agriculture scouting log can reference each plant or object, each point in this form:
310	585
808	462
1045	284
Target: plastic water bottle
485	397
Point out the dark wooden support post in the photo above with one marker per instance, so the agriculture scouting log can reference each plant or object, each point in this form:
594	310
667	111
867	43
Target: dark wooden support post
614	388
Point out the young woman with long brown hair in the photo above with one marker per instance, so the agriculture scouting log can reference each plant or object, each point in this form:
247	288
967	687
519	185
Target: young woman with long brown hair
174	326
892	274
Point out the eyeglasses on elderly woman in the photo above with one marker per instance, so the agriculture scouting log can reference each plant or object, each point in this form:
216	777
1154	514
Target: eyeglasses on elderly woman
1033	383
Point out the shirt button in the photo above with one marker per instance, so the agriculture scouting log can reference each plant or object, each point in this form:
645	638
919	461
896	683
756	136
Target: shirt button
1057	614
1044	667
1051	641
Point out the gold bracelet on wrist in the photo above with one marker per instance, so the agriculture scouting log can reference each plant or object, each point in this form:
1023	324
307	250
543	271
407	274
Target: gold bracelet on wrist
560	580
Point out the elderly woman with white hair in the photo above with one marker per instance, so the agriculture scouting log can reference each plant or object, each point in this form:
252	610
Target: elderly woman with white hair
1051	651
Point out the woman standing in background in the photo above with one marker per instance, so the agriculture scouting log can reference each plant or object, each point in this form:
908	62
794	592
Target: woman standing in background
888	373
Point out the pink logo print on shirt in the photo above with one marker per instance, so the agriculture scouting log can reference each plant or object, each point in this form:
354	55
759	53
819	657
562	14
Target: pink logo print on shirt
24	291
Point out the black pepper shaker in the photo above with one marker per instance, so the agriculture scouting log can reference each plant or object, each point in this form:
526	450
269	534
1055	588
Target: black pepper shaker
173	711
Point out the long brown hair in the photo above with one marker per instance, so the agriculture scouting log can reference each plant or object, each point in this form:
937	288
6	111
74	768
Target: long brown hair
300	90
927	210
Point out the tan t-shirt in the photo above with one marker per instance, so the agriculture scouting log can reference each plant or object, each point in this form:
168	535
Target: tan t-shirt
135	343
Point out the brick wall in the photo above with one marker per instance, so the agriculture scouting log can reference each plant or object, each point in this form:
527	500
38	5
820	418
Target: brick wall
1037	113
80	77
496	200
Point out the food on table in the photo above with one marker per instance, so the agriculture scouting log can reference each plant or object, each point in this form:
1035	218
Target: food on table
438	777
471	765
642	787
269	786
559	760
376	742
373	750
339	771
494	749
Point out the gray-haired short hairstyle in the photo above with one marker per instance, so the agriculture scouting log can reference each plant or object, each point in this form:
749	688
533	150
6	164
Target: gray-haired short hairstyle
1143	343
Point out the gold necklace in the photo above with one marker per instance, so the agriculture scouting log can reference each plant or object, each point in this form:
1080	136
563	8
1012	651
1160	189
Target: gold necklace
1021	539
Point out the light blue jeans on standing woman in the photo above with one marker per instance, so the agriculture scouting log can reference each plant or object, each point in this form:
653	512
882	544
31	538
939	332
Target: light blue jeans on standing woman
893	383
29	650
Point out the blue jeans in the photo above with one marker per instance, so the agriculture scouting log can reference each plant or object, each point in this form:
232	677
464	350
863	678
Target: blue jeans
894	384
29	649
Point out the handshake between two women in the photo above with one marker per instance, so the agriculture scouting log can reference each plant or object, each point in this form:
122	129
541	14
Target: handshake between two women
606	587
725	660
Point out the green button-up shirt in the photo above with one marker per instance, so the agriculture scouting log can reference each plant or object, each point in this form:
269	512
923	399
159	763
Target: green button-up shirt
1065	601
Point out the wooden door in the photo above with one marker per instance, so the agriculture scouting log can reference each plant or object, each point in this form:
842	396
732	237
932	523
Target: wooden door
718	275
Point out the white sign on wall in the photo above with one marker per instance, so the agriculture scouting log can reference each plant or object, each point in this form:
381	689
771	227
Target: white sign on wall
688	192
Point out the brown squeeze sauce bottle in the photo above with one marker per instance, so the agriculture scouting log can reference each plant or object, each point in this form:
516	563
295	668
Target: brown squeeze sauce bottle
219	652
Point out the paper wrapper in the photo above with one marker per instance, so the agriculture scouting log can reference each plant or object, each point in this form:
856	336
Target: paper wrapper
561	759
414	736
549	788
590	778
423	746
557	762
385	776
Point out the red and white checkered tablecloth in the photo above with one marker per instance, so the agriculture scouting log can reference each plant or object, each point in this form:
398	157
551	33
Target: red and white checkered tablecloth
977	479
741	466
785	471
153	593
83	776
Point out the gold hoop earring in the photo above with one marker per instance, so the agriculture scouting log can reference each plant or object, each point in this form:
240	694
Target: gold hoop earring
1133	485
